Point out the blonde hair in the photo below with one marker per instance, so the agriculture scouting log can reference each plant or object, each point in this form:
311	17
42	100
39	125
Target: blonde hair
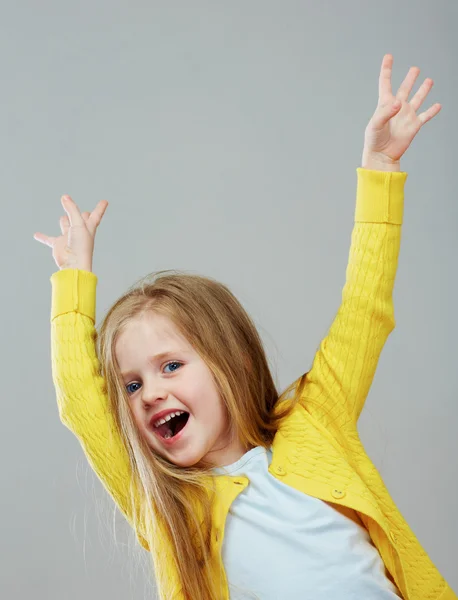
214	322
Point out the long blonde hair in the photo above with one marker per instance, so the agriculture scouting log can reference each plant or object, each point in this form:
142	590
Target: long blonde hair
214	322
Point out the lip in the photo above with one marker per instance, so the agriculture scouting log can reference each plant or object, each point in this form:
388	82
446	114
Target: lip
162	414
175	438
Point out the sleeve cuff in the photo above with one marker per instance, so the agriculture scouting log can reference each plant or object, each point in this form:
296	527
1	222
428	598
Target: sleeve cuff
380	196
73	290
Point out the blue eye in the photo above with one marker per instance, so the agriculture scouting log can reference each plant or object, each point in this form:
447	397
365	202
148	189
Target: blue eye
130	391
128	386
173	363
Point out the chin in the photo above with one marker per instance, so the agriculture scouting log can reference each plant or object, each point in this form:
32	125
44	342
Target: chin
180	461
187	459
184	462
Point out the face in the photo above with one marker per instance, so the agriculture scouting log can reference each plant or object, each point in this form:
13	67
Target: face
179	381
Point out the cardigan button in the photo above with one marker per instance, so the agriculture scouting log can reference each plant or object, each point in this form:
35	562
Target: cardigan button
279	470
393	537
338	494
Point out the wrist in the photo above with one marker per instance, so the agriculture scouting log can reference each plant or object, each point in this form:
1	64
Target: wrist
375	162
85	267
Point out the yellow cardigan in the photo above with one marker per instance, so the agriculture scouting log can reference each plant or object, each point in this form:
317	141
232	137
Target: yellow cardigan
317	450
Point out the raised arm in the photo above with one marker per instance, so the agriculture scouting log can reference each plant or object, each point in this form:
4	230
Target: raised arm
345	364
80	389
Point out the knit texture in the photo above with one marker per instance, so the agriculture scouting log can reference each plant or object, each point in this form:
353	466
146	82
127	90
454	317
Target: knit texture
317	449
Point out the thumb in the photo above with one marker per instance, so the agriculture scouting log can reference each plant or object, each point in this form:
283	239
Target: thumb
384	113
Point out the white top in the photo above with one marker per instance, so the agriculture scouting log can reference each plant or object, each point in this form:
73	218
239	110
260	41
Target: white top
281	543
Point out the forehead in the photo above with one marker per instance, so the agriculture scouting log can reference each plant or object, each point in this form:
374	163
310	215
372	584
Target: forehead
150	327
148	338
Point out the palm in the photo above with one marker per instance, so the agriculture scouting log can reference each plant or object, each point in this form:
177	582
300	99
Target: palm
75	246
68	246
390	134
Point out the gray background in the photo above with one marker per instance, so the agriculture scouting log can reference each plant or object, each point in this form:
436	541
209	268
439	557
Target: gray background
226	137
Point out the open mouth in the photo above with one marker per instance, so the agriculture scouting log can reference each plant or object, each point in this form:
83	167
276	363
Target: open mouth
172	428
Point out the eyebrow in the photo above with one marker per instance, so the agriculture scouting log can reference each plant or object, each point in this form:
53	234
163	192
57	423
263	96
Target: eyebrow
155	358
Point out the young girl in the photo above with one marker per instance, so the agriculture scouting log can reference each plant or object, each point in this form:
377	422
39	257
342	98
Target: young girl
237	491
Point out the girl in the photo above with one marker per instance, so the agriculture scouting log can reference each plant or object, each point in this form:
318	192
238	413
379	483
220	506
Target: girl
235	490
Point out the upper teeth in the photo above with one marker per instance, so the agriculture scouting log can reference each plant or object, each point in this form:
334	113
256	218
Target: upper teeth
167	418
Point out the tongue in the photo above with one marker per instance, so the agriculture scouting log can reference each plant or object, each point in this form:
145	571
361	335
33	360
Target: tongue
164	428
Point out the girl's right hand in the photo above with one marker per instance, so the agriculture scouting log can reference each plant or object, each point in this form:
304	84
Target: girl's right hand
75	247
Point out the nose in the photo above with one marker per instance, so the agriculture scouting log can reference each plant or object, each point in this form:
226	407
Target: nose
151	394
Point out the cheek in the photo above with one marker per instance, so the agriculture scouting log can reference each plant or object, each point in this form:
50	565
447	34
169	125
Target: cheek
217	416
137	416
208	407
200	393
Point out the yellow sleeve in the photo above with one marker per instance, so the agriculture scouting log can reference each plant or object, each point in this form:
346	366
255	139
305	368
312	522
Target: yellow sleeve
344	366
80	389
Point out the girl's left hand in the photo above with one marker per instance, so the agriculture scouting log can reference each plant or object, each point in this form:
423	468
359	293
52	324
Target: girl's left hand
392	128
